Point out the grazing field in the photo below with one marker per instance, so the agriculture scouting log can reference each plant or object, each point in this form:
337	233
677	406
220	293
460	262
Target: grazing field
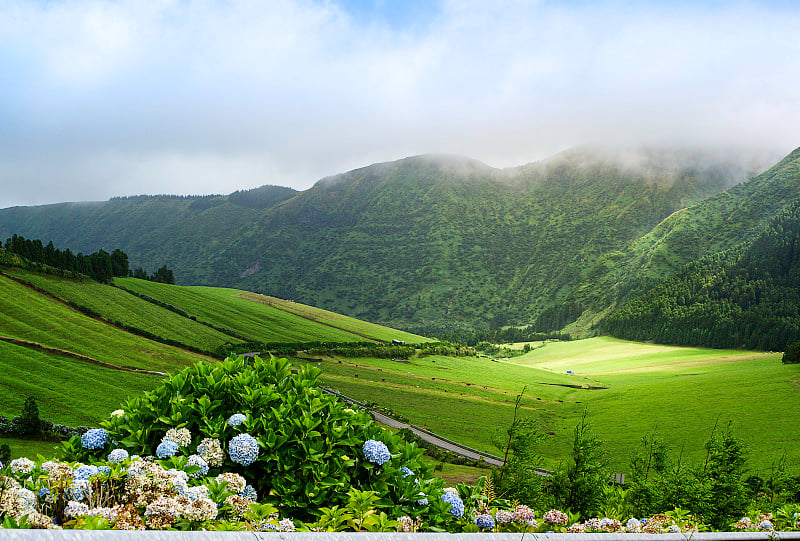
368	330
120	306
628	390
31	316
227	308
68	391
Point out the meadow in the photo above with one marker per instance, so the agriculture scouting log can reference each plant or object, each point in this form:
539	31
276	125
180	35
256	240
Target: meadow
120	306
37	318
674	393
259	321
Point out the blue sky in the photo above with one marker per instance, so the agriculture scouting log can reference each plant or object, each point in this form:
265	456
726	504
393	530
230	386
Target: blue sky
118	97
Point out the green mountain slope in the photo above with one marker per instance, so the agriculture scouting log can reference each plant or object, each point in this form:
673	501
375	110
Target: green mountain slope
154	230
450	241
424	242
718	223
747	297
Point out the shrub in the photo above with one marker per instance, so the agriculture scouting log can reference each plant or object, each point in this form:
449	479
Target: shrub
792	353
300	448
28	423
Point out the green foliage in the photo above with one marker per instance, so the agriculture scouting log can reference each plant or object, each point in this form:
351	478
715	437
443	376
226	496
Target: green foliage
5	453
579	484
309	443
517	478
746	297
792	353
28	422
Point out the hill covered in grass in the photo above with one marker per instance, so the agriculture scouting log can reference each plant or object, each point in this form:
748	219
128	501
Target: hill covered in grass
420	243
80	346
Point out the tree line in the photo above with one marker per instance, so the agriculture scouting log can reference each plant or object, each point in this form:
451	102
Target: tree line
101	265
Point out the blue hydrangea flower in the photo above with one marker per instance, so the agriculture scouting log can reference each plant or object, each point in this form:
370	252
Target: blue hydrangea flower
117	455
166	449
94	438
196	460
485	522
406	471
249	492
44	492
423	501
376	452
456	505
83	471
104	469
236	419
243	449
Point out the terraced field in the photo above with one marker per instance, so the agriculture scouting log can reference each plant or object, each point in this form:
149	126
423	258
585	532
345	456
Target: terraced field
37	318
122	307
227	308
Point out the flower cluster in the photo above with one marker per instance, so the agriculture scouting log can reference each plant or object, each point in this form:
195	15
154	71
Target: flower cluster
166	449
555	517
210	450
376	452
484	522
456	505
181	436
236	419
22	465
118	455
243	449
94	438
408	524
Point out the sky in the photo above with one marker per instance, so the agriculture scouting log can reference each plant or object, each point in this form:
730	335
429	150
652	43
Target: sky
103	98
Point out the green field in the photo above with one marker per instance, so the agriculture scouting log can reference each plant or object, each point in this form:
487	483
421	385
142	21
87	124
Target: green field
676	394
68	391
363	328
30	316
120	306
248	314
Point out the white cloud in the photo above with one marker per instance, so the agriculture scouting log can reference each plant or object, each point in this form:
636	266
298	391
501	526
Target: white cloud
205	96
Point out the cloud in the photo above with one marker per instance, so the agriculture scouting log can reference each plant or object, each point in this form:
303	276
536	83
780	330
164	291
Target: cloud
113	98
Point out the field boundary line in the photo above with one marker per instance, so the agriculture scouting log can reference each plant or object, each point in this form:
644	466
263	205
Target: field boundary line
309	318
88	312
64	353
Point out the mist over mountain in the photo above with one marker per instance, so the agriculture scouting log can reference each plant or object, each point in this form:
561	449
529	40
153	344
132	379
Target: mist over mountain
436	240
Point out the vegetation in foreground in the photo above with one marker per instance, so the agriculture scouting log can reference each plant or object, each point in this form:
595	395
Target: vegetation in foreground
273	453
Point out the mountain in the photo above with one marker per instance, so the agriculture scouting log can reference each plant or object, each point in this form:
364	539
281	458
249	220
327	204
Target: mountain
747	297
423	242
153	229
718	223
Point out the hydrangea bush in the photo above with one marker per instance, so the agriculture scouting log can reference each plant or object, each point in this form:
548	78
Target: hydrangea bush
297	446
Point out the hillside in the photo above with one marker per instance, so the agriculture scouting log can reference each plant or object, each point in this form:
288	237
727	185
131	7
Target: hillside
63	337
430	241
746	297
718	223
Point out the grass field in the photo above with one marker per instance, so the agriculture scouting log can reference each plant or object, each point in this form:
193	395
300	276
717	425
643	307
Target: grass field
31	316
362	328
67	391
227	308
676	394
120	306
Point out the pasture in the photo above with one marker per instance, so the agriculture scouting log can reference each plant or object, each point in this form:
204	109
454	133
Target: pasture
628	390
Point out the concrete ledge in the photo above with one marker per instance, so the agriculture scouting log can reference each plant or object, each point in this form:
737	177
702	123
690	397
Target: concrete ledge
116	535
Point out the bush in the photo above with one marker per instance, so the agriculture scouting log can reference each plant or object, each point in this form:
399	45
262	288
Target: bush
28	423
305	446
792	353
